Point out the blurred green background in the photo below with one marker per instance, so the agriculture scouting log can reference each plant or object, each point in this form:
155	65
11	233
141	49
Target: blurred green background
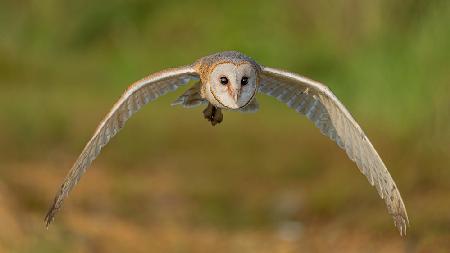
265	182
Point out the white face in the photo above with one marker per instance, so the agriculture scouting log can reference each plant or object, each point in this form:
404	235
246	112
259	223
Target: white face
233	85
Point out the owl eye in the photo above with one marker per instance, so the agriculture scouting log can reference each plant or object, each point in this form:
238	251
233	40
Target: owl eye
244	80
224	80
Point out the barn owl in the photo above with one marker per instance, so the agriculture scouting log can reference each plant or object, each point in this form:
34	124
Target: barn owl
229	81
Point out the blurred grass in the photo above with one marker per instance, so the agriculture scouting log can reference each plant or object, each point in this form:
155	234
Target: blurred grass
163	183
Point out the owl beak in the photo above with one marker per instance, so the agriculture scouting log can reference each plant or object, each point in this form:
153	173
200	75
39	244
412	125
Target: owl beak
234	93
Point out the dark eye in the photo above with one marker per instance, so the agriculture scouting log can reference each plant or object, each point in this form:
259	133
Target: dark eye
244	80
223	80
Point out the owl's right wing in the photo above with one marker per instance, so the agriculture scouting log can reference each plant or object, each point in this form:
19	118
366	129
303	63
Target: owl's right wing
134	98
321	106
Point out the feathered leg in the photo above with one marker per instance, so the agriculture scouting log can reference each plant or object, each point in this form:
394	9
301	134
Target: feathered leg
213	114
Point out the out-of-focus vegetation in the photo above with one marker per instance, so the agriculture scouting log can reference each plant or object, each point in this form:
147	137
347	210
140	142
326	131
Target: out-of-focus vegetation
265	182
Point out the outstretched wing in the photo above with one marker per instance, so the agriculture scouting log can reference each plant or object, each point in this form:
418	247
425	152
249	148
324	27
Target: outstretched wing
134	98
321	106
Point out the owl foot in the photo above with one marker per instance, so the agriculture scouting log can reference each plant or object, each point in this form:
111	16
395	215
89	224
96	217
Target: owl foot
213	114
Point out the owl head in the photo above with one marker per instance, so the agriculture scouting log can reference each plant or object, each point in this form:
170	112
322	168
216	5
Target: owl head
233	84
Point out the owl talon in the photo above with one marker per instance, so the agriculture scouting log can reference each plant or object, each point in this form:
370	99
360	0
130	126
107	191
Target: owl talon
208	112
213	114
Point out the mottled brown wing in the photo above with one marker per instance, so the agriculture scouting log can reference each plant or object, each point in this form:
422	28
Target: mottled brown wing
321	106
134	98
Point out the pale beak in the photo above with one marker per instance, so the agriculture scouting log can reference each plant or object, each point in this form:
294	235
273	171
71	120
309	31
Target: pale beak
234	93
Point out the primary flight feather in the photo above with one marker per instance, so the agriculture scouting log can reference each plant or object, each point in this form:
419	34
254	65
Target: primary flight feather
230	80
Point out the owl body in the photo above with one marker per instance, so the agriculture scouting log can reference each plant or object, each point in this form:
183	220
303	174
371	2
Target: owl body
230	80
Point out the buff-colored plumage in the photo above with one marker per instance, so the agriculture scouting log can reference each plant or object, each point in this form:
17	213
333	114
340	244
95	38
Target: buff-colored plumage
307	97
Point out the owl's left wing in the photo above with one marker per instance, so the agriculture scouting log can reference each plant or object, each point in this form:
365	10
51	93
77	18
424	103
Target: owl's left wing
135	97
321	106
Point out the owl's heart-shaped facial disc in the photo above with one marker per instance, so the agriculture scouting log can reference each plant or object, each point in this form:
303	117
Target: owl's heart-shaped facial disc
233	85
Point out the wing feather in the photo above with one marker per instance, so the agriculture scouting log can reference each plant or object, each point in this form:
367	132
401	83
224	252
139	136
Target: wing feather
191	97
134	98
321	106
